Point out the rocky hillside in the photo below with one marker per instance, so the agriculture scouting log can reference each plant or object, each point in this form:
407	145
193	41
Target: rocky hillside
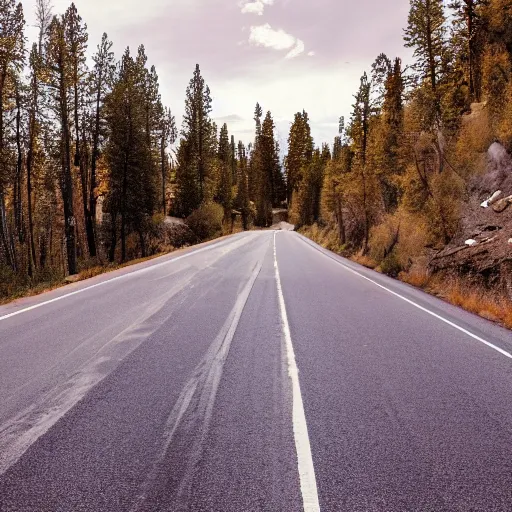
482	250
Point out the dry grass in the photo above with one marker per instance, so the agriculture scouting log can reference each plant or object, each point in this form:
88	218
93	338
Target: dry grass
484	303
30	290
324	236
418	277
456	291
14	290
364	260
10	289
95	271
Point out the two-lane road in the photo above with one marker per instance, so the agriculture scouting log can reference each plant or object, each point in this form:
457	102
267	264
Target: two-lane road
256	373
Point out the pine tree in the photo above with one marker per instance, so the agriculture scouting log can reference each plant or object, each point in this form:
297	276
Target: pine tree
469	39
60	81
254	155
300	153
310	189
390	163
266	169
168	135
76	38
43	14
242	199
333	197
426	33
382	68
36	65
12	59
339	140
359	131
258	113
225	191
132	194
102	78
196	149
232	160
361	117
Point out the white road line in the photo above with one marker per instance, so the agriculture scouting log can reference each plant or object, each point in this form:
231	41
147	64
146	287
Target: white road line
300	429
82	290
412	303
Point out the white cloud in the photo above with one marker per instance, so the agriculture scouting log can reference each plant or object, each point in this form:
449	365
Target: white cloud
296	50
336	83
266	36
311	54
255	7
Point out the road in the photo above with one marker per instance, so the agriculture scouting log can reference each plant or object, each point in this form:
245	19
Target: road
255	373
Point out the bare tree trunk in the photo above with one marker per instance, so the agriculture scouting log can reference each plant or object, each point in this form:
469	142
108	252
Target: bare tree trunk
18	202
4	228
366	216
94	159
30	163
341	222
142	243
123	212
164	170
43	247
4	233
67	180
113	239
88	218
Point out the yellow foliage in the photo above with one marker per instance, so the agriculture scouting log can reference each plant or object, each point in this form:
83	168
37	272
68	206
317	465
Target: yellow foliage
478	301
326	237
496	70
504	124
474	139
398	241
417	276
293	213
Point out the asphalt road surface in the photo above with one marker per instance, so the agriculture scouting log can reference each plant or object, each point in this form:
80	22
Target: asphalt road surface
256	373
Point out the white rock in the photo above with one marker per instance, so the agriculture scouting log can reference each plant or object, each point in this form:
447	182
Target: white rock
494	197
491	199
471	242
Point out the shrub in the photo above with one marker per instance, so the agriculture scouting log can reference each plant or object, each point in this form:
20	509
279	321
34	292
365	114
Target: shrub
414	238
14	285
418	275
390	265
206	221
474	139
178	235
384	236
398	241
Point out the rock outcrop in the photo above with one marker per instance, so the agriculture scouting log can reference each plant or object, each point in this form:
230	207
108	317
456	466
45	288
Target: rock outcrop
487	224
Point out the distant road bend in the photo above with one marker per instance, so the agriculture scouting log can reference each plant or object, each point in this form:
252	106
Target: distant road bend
255	373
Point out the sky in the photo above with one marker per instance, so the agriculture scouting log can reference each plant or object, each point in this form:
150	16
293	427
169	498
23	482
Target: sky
288	55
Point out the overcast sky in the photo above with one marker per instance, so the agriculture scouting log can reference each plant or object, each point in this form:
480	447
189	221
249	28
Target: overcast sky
287	54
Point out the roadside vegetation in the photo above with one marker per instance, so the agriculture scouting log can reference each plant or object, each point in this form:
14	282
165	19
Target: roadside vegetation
454	288
95	173
419	183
